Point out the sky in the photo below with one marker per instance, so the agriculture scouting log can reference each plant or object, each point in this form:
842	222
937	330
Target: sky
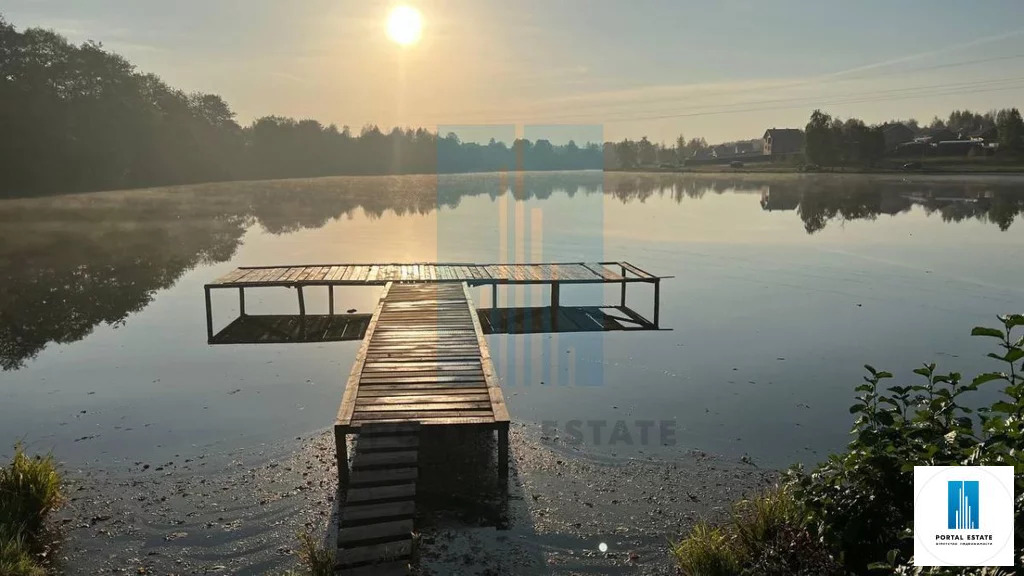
722	69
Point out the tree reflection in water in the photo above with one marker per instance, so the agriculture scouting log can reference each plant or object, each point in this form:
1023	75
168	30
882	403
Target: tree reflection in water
70	263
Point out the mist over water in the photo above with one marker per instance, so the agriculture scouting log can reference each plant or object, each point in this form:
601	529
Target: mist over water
783	288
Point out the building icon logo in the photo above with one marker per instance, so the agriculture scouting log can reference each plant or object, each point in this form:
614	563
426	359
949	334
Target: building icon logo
963	511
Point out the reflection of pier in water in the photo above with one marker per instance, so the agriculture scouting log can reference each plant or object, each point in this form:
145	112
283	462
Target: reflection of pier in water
541	319
310	328
293	328
423	364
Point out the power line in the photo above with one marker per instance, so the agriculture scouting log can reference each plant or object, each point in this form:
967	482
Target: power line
814	99
818	100
787	107
821	80
811	81
788	103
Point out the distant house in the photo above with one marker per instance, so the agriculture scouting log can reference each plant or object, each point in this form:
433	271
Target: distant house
722	151
744	147
896	134
941	135
917	147
783	142
987	135
959	147
732	149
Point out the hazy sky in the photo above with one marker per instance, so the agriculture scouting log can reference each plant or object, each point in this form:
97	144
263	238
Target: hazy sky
714	68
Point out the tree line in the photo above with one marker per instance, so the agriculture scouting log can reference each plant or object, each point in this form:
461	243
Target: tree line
831	141
967	122
633	153
78	117
835	142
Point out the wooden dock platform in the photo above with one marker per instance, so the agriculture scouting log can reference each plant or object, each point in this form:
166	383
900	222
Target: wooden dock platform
473	274
494	275
424	359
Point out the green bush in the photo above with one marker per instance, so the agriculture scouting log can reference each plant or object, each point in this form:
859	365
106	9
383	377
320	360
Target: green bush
857	506
861	502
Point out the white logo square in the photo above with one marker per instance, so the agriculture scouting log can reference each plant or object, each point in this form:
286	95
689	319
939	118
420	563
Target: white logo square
963	515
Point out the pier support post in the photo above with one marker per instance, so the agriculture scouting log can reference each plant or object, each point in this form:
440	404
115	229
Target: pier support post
622	300
209	317
657	300
503	456
330	300
241	301
494	295
341	446
302	314
555	297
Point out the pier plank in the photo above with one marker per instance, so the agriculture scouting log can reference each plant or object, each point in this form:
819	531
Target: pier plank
381	493
382	443
397	459
432	272
370	478
373	554
381	531
392	568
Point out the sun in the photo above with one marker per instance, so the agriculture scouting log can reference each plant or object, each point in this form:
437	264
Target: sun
405	25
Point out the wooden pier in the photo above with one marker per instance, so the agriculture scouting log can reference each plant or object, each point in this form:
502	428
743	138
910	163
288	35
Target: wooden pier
473	274
493	275
423	362
424	359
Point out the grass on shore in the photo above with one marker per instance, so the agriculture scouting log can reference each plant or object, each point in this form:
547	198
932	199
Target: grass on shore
316	559
767	536
29	491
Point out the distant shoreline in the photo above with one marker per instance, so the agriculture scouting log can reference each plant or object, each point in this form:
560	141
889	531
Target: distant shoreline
752	172
926	170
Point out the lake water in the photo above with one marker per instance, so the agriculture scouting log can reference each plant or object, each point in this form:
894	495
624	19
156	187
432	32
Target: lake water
783	288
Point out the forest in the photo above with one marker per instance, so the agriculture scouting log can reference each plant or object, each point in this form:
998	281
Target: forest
81	118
